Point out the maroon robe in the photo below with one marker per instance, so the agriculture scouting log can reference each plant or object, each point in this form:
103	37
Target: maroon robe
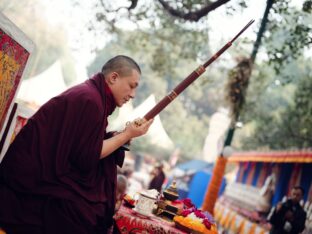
52	173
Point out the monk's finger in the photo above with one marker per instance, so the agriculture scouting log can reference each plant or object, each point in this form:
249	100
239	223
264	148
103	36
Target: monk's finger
149	123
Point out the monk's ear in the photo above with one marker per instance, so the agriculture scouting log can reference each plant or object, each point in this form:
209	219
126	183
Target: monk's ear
112	78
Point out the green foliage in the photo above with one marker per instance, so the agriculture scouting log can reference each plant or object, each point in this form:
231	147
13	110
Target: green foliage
272	120
297	119
289	34
282	114
172	47
169	48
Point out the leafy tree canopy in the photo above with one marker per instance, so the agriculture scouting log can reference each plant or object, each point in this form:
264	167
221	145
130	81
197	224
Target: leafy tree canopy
171	37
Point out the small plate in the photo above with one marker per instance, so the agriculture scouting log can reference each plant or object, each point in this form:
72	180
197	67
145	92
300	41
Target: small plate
139	213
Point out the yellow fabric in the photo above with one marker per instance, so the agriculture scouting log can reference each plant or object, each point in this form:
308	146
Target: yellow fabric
241	226
9	68
224	217
218	212
252	230
231	223
231	220
233	226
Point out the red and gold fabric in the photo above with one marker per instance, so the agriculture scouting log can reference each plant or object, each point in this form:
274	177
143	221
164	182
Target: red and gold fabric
13	59
20	123
128	221
263	175
251	173
295	177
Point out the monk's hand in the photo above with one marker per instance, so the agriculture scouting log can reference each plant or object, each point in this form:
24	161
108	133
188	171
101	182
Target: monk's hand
289	215
138	127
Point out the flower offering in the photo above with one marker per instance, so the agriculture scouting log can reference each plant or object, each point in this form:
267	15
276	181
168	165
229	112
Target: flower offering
195	220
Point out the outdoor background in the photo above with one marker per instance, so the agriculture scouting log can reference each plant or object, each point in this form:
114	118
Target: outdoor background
169	43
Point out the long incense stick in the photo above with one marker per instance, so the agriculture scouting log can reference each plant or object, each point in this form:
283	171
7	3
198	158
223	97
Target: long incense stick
190	79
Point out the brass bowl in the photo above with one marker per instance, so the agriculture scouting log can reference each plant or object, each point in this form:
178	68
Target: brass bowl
170	196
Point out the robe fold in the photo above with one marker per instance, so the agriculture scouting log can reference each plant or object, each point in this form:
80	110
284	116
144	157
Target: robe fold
55	159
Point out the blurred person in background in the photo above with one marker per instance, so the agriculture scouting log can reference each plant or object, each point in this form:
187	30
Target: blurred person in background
289	217
158	178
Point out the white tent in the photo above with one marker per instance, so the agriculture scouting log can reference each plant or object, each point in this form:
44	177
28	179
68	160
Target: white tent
219	123
41	88
156	134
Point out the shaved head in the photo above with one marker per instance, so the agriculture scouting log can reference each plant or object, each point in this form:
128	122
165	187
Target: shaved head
122	64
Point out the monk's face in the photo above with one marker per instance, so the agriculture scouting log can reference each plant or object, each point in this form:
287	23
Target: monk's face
124	87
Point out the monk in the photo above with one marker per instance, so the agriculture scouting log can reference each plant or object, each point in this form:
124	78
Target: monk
59	174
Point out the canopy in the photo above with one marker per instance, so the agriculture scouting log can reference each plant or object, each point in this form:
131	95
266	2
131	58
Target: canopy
39	89
157	134
195	165
218	125
290	168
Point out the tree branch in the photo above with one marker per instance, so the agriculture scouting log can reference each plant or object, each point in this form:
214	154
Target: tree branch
193	15
133	5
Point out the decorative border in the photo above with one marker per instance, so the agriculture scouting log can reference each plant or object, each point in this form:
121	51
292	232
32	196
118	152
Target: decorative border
278	156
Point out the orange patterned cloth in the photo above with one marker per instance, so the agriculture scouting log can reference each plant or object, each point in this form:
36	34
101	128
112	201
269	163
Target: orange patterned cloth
214	185
129	221
300	156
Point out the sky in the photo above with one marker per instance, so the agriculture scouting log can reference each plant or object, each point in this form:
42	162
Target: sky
222	27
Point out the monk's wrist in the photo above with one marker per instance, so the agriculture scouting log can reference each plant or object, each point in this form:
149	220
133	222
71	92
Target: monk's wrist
126	136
